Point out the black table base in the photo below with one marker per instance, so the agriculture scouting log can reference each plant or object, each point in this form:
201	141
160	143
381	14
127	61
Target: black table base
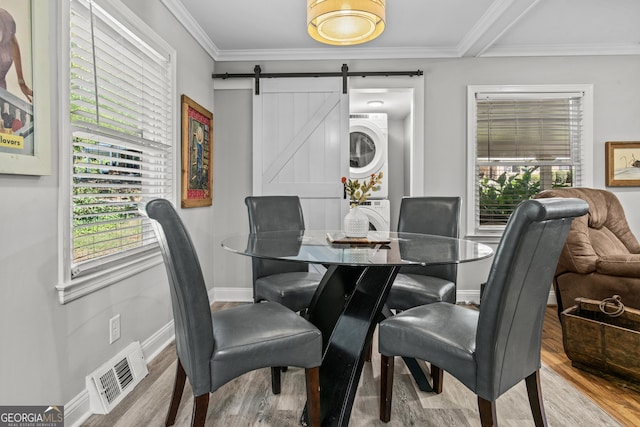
346	308
419	372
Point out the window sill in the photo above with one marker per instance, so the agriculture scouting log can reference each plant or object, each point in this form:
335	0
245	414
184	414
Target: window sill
76	288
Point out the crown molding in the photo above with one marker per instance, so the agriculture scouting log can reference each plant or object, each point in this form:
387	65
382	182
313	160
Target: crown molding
335	53
178	10
564	50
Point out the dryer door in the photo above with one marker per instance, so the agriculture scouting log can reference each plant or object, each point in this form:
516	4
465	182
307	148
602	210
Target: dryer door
367	152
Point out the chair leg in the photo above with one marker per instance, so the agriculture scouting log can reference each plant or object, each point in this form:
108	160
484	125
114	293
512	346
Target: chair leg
200	406
487	412
275	379
437	376
386	387
313	396
176	395
535	399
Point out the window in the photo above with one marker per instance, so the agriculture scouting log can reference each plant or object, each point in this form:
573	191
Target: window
120	134
523	140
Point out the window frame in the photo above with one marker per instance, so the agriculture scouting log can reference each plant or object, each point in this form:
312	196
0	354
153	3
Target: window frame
493	236
112	269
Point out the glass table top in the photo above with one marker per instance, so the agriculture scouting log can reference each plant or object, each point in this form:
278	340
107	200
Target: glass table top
378	248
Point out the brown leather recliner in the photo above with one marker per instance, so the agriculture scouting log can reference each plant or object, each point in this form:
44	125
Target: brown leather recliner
601	256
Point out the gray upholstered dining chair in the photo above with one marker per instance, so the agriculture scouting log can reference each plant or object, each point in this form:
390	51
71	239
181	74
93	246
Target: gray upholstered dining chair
417	285
214	348
492	349
288	283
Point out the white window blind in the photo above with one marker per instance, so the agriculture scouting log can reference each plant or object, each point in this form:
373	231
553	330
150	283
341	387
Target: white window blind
525	142
121	130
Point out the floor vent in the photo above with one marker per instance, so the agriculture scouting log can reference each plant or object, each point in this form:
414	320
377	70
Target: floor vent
110	383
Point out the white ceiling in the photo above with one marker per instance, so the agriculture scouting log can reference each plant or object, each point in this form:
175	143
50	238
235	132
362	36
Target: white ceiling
253	30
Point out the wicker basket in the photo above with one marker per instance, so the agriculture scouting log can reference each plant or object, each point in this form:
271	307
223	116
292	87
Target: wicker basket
595	340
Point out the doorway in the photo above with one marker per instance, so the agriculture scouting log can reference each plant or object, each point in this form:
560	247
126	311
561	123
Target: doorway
395	97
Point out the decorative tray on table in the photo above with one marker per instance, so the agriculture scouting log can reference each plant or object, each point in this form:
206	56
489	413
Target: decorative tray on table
373	238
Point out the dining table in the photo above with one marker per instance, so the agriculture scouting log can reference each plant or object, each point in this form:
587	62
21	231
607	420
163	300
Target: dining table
350	299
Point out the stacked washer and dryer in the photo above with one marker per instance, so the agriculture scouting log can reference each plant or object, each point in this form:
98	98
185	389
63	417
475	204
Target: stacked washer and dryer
369	144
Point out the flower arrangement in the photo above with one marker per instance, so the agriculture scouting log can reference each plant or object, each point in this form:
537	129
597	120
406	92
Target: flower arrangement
359	191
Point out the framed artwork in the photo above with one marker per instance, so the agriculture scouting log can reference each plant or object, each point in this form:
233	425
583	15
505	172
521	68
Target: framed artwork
25	146
197	154
622	164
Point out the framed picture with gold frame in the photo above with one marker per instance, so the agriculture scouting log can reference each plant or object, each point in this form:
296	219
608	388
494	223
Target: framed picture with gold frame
622	164
197	154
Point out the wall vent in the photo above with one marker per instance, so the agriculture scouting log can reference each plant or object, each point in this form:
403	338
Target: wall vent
110	383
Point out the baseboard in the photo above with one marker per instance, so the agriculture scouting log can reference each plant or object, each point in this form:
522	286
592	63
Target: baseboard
157	342
77	410
468	296
552	298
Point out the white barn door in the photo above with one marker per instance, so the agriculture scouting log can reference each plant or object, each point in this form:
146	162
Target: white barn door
301	145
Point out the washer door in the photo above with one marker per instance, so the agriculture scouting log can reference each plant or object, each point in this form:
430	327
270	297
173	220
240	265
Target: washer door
376	221
366	149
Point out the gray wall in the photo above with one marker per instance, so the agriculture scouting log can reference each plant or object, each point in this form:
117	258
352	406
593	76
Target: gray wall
616	112
47	349
232	183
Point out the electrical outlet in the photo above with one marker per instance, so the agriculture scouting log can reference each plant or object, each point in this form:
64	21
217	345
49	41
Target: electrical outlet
114	329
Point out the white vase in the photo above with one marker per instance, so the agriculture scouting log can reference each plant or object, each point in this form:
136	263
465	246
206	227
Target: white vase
356	223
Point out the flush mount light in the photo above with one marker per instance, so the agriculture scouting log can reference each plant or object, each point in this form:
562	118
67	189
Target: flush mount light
375	103
344	22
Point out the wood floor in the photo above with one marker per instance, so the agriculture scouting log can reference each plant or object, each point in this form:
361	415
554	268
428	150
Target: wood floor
248	401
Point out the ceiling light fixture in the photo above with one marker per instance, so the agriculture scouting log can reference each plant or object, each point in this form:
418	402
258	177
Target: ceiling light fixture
375	103
343	23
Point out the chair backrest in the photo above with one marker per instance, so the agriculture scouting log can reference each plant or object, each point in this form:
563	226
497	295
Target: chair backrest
274	213
439	216
189	299
604	231
509	333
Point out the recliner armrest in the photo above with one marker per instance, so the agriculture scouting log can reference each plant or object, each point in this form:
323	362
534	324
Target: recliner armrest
578	254
627	265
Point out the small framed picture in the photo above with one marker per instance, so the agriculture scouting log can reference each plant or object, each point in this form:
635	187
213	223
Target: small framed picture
197	154
622	164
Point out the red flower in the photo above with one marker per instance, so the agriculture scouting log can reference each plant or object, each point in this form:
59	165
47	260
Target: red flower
344	179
